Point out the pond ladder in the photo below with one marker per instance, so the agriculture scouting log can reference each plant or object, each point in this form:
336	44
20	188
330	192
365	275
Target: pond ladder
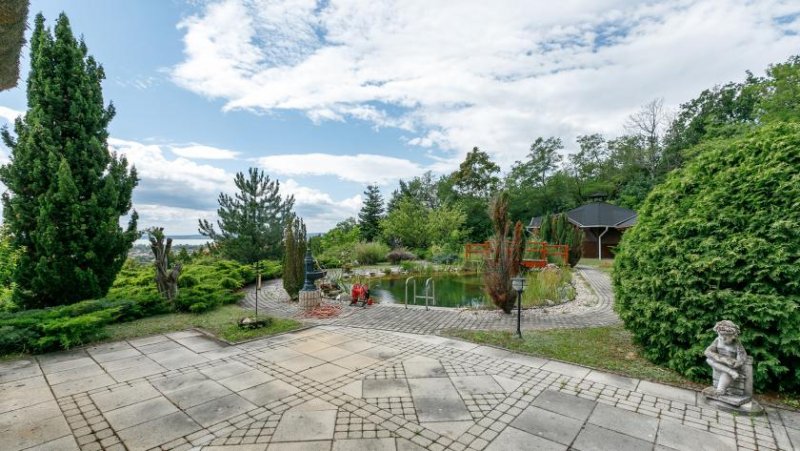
428	294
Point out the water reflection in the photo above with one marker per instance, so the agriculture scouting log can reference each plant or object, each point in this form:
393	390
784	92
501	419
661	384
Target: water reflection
451	290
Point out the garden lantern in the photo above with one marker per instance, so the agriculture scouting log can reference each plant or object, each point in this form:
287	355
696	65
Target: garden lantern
518	283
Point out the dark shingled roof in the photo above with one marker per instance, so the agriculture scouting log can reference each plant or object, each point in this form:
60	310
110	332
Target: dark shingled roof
597	214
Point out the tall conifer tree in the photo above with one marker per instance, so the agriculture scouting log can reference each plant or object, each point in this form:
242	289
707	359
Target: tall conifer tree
294	256
66	191
369	218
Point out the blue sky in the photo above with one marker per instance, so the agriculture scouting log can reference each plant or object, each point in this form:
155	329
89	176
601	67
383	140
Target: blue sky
329	96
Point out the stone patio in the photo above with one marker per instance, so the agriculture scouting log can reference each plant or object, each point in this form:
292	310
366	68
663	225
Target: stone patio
342	388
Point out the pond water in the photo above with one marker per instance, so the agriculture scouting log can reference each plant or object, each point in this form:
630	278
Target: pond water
451	290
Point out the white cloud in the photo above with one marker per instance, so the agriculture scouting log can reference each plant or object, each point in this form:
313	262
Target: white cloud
361	168
9	114
175	220
318	210
202	152
491	74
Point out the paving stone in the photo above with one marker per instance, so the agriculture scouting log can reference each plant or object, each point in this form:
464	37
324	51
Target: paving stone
197	394
549	425
110	400
225	370
266	393
136	372
155	432
356	346
675	435
23	393
115	355
406	445
201	343
141	412
564	404
23	428
595	438
794	437
452	429
241	447
330	354
18	369
165	345
53	363
355	361
325	372
138	342
66	443
381	388
301	363
74	374
436	399
219	409
476	384
309	346
666	391
354	389
634	424
790	419
246	380
533	362
305	425
419	367
508	385
365	444
180	381
324	445
613	379
277	355
566	369
515	439
82	385
380	352
177	358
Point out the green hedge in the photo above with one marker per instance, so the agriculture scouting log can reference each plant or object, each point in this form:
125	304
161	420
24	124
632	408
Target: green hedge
205	284
719	240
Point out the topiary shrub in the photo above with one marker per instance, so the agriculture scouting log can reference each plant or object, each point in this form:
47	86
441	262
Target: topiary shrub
719	240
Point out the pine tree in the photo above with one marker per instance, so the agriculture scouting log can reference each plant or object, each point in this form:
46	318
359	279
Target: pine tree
66	191
251	223
371	213
294	256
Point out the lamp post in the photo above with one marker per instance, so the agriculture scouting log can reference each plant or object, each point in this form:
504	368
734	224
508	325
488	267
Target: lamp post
518	283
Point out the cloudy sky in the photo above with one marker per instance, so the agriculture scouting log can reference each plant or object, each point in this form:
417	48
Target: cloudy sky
329	96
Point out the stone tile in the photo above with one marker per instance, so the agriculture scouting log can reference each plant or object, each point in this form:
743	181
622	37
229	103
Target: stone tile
595	438
356	362
405	445
309	346
266	393
301	363
222	353
35	425
794	437
116	355
436	399
548	425
667	391
476	385
159	431
240	447
452	429
384	388
159	346
278	355
74	374
65	365
380	352
130	362
330	354
326	372
219	409
138	413
353	389
566	369
104	348
197	394
790	419
614	380
144	369
178	382
460	345
356	345
305	425
82	385
184	334
201	343
365	444
315	404
66	443
507	384
23	393
138	342
110	400
332	338
418	367
18	369
324	445
225	370
246	380
564	404
177	358
491	351
514	439
675	435
533	362
634	424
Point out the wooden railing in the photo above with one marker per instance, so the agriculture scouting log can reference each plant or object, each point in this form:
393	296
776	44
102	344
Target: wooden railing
535	256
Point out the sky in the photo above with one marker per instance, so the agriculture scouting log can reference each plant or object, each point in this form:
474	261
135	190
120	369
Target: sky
330	96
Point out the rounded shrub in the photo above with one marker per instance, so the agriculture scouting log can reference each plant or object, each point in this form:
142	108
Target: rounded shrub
720	239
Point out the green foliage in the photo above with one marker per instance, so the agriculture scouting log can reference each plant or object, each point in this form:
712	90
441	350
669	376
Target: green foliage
294	240
558	230
66	191
718	240
336	247
251	223
414	225
369	218
504	261
547	284
370	253
9	256
400	254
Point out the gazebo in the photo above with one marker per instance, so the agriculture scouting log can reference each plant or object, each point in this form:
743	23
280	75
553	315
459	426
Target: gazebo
602	224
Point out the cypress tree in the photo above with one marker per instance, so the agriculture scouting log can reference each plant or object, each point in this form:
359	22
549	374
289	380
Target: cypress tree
294	256
545	229
369	218
66	191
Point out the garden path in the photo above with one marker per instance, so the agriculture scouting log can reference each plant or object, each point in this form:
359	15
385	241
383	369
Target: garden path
598	311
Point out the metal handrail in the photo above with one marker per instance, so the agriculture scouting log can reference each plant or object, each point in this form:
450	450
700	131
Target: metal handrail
415	290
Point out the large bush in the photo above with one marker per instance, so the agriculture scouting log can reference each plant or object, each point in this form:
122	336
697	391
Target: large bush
370	253
719	240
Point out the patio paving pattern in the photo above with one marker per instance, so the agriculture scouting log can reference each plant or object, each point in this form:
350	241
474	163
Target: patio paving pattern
343	388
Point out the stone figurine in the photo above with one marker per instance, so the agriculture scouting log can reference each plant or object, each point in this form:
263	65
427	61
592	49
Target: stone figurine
732	388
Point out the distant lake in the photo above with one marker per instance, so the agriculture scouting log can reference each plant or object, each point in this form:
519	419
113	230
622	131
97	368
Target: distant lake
177	241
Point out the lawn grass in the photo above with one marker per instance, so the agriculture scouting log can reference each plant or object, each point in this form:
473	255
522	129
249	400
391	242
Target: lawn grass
605	265
607	348
221	322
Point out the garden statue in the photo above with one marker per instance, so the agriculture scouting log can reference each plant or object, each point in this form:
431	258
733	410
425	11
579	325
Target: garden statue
732	388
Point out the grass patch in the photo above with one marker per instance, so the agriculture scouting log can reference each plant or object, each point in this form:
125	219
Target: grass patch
220	322
608	348
606	265
547	285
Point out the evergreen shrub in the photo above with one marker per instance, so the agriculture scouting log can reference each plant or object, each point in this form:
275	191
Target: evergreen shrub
719	240
371	252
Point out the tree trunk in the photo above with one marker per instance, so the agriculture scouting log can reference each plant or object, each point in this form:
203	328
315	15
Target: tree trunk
166	278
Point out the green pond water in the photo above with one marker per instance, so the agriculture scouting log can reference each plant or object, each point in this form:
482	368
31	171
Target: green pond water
450	290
